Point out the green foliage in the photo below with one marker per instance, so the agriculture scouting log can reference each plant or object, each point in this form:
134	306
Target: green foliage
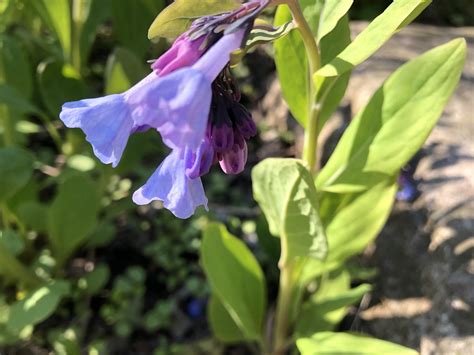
331	29
177	17
326	343
236	279
223	325
404	109
73	215
124	69
285	191
395	17
36	306
16	168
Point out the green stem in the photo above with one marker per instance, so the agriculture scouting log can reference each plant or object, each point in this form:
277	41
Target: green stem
314	61
12	267
288	278
282	317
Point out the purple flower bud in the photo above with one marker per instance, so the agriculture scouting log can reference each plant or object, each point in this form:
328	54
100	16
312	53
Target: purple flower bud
222	137
222	132
199	163
183	53
233	161
243	120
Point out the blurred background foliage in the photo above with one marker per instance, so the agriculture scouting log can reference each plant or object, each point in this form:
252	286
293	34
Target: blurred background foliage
81	267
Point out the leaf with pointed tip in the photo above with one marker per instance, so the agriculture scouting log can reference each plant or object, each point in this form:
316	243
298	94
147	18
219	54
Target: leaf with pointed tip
177	17
399	14
396	122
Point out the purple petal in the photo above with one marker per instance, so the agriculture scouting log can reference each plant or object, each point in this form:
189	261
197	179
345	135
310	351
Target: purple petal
217	57
180	194
106	123
177	105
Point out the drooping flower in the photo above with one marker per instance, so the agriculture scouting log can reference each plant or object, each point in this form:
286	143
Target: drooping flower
191	101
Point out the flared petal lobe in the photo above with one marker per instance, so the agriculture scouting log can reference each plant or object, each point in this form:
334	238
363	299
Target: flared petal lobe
170	184
106	122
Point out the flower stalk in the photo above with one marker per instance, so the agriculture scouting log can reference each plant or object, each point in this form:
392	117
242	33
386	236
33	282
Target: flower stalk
288	278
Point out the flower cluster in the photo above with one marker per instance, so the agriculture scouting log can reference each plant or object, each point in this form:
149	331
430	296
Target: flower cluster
191	99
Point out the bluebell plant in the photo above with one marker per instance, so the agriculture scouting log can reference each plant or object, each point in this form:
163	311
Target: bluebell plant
192	100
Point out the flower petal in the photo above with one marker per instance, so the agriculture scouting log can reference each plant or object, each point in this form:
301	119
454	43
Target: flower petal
177	105
217	57
106	122
180	194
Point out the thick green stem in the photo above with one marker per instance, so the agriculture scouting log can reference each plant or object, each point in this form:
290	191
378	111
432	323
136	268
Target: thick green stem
282	317
288	278
314	62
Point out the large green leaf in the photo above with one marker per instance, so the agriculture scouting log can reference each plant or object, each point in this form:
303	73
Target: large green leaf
16	168
223	326
73	215
87	15
328	343
329	305
396	122
131	21
37	306
285	191
15	67
291	61
56	14
397	15
333	11
15	100
124	70
236	279
177	17
352	221
58	84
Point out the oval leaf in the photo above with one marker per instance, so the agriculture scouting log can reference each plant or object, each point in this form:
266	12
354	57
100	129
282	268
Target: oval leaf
236	278
326	343
285	191
396	122
178	16
16	168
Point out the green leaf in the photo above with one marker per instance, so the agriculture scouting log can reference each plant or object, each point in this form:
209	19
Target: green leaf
354	220
12	242
16	168
123	70
397	15
333	11
15	100
131	21
37	305
396	122
285	191
73	215
292	65
223	326
329	305
15	67
56	14
328	343
95	280
58	84
33	215
235	278
88	15
178	16
292	68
